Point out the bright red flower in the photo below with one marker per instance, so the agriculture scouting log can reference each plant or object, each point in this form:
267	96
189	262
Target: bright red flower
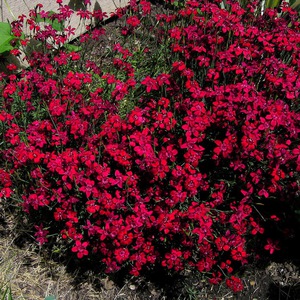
271	246
122	254
235	284
277	173
239	254
80	248
5	192
133	21
249	141
41	234
224	148
150	83
226	266
173	260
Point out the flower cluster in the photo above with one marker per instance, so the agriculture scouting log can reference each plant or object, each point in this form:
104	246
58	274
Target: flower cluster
177	164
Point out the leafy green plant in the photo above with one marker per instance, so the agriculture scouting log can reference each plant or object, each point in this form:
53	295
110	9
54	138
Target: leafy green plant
6	38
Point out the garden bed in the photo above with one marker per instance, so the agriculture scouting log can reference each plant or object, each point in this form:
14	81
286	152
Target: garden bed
269	277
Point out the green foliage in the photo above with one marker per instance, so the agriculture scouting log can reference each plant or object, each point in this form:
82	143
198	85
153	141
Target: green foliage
72	48
57	25
50	298
178	4
272	3
6	37
295	4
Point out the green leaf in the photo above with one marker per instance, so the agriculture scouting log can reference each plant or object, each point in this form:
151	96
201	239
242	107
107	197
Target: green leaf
7	294
6	37
295	4
10	295
72	48
272	3
59	26
50	298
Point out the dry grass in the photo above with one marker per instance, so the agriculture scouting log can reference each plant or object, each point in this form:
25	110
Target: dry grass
30	276
26	271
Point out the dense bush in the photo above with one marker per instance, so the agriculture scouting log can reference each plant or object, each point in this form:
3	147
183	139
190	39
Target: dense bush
174	154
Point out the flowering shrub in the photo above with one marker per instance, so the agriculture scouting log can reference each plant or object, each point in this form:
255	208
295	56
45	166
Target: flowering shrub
174	154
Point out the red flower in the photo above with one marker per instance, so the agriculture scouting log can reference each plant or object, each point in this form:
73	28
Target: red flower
173	260
235	284
222	243
122	254
41	234
99	15
92	206
146	7
5	192
59	214
5	179
150	83
179	66
56	108
226	266
271	246
205	265
277	173
175	33
125	237
216	278
239	254
163	79
80	248
133	21
224	147
9	90
249	141
136	116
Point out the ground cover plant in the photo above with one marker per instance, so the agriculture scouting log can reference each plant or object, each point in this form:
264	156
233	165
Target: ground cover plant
177	148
